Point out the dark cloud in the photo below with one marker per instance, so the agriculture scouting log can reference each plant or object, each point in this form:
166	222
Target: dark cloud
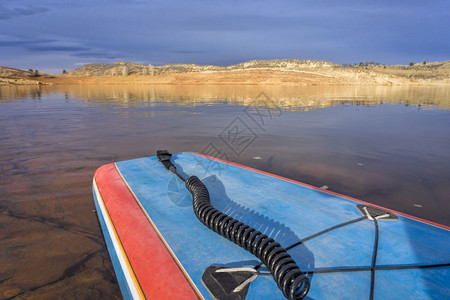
16	43
11	12
44	45
97	55
56	48
186	51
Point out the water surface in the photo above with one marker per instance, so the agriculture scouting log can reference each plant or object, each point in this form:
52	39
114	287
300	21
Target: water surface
384	145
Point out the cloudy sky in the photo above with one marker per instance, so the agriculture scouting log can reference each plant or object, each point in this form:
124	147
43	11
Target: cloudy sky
51	35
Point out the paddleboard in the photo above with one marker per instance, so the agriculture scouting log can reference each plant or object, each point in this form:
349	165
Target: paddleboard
347	248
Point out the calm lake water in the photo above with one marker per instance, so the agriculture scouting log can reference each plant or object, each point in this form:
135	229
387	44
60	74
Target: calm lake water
384	145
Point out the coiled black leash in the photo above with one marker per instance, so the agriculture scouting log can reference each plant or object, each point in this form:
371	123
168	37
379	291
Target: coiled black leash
290	279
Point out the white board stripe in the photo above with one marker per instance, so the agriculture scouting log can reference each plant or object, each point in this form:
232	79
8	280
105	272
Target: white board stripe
117	247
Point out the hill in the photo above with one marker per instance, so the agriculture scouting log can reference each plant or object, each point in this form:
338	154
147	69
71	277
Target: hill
277	71
10	76
126	68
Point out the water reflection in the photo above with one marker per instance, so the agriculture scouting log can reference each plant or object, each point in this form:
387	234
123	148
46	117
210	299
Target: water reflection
290	97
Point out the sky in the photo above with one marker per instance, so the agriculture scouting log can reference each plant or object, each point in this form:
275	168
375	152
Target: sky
52	35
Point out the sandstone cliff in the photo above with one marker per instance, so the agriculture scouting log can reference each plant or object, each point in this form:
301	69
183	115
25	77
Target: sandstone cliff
363	73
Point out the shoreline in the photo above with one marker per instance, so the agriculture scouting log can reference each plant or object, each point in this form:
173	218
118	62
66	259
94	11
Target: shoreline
244	78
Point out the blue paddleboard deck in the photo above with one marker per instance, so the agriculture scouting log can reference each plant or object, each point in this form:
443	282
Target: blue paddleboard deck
160	249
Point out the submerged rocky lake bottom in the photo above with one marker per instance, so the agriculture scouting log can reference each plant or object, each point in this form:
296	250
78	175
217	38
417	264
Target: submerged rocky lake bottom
385	145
